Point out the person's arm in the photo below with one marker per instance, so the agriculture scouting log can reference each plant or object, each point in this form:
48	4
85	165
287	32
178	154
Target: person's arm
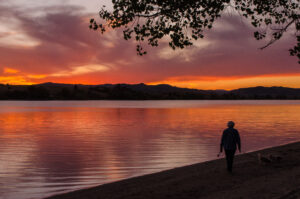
238	140
222	142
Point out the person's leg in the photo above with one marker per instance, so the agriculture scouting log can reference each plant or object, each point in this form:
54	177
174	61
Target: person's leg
228	159
231	157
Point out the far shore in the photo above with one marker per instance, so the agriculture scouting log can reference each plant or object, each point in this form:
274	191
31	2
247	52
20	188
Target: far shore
279	179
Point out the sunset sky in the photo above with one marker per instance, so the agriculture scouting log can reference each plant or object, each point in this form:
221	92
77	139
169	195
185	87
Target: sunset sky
49	41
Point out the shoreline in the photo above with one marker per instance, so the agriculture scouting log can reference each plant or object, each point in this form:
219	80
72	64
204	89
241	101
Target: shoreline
250	179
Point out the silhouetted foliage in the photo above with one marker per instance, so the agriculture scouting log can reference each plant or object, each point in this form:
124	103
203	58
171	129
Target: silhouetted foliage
8	86
139	92
75	88
184	21
38	93
65	94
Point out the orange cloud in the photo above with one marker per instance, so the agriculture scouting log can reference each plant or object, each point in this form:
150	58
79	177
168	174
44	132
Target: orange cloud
16	80
10	71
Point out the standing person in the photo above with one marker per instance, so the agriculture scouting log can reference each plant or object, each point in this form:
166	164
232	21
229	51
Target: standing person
230	139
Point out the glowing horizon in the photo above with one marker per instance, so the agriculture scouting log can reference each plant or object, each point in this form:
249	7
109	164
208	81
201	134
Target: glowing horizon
221	84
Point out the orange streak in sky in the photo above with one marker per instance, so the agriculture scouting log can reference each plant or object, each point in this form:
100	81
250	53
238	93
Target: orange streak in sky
229	83
198	82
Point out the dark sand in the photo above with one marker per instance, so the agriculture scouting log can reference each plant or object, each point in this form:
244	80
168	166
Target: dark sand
211	180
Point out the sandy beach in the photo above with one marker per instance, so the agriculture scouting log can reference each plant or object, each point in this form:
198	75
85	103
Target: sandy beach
250	179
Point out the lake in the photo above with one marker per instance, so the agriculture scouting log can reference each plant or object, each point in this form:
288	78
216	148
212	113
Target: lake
53	147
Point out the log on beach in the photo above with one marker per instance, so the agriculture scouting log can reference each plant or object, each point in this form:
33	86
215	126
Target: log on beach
250	179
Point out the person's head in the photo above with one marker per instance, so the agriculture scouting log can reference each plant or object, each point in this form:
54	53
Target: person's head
230	124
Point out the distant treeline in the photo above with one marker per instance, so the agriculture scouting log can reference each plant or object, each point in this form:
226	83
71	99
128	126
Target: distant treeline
52	91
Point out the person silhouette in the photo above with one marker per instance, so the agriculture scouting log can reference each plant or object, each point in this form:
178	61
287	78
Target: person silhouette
230	140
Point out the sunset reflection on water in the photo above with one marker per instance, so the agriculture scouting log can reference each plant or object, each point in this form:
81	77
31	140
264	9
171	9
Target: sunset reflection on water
52	147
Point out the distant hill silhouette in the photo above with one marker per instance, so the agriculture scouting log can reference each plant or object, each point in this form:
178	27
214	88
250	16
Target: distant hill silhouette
54	91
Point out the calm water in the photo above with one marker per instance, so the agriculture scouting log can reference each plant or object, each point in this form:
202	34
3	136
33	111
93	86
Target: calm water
53	147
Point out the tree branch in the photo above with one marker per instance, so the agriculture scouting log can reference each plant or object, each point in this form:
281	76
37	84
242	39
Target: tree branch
148	16
280	31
